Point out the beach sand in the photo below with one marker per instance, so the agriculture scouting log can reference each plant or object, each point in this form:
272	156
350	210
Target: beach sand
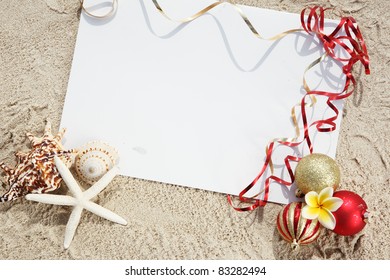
37	40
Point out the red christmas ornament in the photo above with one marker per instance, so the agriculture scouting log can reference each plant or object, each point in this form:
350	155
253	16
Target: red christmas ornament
352	215
294	228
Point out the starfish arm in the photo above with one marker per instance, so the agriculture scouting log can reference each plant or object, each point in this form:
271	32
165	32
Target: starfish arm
68	177
101	184
52	199
47	131
72	224
104	213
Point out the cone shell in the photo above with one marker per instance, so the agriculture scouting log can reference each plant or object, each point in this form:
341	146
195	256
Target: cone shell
94	160
294	228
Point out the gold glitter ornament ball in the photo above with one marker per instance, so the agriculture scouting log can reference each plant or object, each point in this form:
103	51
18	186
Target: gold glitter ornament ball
316	172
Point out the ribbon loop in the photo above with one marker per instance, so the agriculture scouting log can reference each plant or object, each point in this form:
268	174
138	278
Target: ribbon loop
352	42
113	7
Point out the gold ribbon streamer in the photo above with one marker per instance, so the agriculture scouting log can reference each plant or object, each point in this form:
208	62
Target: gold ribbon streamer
255	33
236	7
188	19
111	12
313	101
293	114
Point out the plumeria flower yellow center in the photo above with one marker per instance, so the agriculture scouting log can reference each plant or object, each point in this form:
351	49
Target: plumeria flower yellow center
320	206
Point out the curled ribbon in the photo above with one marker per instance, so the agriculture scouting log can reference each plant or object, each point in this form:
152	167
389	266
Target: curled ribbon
270	147
352	42
357	51
236	7
111	12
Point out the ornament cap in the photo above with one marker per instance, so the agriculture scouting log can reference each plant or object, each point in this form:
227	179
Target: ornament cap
366	216
299	193
294	245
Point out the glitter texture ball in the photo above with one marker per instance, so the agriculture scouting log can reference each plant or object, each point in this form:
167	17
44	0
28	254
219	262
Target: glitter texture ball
316	172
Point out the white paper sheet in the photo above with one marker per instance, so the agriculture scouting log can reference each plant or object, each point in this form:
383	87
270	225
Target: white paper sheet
194	104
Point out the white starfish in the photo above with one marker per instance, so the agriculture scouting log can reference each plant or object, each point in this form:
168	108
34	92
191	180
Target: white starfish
80	200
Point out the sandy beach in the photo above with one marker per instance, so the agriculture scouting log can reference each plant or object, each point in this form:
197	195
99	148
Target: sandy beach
37	40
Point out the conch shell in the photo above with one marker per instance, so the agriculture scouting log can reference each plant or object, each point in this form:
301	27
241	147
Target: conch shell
35	171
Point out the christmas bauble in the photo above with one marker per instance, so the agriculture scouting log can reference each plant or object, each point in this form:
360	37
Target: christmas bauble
352	215
315	172
294	228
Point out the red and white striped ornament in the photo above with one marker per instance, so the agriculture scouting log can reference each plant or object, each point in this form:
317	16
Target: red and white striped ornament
294	228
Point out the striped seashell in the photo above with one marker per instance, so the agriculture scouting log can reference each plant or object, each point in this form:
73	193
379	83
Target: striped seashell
94	160
294	228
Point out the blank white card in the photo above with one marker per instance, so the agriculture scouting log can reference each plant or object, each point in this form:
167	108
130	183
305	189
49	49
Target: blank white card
195	104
